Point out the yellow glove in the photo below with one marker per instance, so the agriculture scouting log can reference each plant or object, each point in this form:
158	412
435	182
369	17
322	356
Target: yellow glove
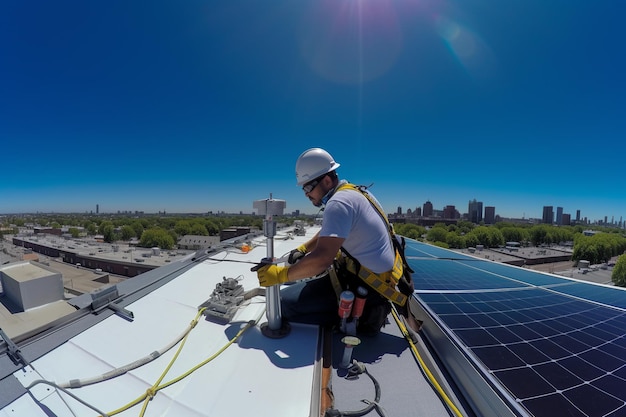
271	275
296	254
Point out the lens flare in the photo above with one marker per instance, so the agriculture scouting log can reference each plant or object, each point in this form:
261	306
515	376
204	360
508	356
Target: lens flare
352	42
467	47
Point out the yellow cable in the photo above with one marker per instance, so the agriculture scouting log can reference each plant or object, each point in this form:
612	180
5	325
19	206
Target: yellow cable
209	359
152	391
427	371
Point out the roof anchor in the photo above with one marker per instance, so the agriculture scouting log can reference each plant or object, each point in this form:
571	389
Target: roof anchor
275	327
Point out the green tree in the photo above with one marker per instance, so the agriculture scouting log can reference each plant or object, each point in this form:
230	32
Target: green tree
489	236
213	228
598	248
199	229
619	272
74	232
92	229
455	241
464	227
514	234
538	234
438	233
182	228
156	237
409	230
138	227
108	233
471	240
127	232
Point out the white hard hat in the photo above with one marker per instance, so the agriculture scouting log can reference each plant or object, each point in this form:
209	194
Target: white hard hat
314	163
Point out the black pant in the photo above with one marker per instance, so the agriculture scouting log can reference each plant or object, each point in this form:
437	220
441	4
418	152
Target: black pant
315	302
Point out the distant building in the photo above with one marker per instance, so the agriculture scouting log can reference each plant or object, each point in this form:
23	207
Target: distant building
232	232
577	216
559	216
490	215
548	215
428	209
399	210
449	212
47	230
475	211
566	219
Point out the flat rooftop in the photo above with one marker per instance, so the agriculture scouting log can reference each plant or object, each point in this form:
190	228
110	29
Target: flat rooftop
118	252
25	271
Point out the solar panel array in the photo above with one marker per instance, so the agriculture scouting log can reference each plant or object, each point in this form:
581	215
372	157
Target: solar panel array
556	346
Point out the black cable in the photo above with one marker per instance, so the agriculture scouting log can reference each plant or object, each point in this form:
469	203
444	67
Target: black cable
371	405
232	260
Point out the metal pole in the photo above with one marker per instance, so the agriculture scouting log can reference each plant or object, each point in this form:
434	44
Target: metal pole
275	327
272	294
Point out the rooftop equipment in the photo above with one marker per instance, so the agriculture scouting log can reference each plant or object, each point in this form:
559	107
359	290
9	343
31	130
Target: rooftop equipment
275	327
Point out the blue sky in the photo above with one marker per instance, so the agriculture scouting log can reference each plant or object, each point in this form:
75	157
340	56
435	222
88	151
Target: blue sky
195	106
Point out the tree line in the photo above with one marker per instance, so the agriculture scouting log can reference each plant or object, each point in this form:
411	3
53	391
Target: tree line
596	248
163	231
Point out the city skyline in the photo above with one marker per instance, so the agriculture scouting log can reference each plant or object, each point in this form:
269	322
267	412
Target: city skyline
197	107
606	220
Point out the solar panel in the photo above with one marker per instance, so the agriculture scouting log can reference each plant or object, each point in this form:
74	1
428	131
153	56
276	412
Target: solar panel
553	346
452	275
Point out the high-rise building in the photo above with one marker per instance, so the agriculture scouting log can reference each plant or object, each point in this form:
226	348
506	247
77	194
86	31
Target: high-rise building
399	210
428	209
559	216
97	208
566	219
490	214
548	215
475	211
449	212
577	216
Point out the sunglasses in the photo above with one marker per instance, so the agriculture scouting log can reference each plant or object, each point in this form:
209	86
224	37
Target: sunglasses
310	186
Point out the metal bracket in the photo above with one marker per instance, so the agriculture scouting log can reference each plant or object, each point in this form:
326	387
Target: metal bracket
14	352
108	298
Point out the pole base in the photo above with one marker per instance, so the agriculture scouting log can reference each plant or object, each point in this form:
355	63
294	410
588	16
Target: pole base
279	333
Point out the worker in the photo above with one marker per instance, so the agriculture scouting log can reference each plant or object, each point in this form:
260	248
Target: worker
351	225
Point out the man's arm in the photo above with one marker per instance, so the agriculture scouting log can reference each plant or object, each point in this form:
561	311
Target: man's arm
312	243
318	260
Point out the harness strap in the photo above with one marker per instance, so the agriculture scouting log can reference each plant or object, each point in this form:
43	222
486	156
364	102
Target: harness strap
384	283
334	280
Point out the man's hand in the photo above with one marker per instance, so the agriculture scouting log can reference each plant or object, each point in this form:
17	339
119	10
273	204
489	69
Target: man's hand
271	275
296	254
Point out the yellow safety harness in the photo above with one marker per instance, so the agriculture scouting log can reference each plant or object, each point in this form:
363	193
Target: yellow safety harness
385	283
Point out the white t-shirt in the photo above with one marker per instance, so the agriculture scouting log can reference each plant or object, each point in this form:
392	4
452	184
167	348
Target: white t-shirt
349	215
